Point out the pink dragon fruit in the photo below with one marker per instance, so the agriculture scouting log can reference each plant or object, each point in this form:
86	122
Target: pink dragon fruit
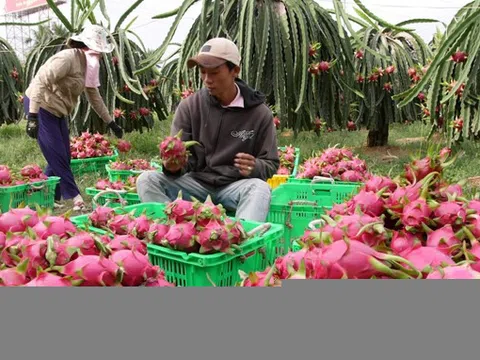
403	242
208	211
180	210
449	190
369	203
5	175
340	209
157	232
124	146
14	276
235	231
93	270
174	151
83	242
3	239
11	254
54	225
450	212
35	253
101	216
359	261
454	272
119	224
474	205
213	237
352	175
103	184
260	279
402	196
444	239
139	227
282	170
17	220
181	236
128	242
136	267
419	169
50	280
377	183
426	258
158	281
31	171
416	213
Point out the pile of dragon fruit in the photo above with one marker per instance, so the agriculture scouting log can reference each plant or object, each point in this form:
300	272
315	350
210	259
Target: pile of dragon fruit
415	226
189	226
89	145
28	174
128	185
39	249
337	163
131	164
287	160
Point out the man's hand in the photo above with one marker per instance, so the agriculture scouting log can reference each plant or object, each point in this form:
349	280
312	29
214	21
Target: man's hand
245	163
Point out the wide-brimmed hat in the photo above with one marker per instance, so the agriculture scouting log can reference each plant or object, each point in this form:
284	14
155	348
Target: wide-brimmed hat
95	37
215	52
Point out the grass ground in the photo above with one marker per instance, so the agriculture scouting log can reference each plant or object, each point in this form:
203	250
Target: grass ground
17	149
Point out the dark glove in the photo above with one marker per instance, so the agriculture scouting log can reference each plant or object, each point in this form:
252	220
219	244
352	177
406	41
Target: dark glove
117	130
32	125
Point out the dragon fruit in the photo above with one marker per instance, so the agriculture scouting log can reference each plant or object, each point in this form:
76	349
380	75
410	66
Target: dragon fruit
124	146
17	220
450	212
119	224
444	239
157	232
181	236
158	281
180	210
35	253
416	213
103	184
213	236
403	242
174	151
464	271
93	270
31	171
11	254
369	202
3	239
402	196
377	183
54	225
129	242
425	258
5	175
259	279
139	227
419	169
48	279
474	205
83	242
208	211
135	265
14	276
101	216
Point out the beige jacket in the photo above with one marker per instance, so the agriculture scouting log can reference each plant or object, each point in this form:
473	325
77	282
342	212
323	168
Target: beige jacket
59	83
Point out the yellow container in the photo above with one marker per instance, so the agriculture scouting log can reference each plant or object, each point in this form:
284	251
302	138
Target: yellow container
277	180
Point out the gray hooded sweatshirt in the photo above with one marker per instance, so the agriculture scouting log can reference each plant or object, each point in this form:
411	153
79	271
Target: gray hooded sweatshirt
224	132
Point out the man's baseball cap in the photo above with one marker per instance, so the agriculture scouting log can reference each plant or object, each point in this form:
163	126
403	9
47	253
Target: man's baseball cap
216	52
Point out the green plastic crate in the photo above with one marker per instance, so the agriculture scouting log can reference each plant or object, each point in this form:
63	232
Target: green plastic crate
322	180
295	205
221	269
123	175
40	193
111	199
92	165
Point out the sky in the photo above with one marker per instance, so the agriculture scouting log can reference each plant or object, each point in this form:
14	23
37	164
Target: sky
153	31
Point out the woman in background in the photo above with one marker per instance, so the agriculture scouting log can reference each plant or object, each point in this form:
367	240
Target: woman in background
53	94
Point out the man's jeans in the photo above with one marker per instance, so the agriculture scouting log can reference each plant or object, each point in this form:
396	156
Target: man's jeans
250	198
